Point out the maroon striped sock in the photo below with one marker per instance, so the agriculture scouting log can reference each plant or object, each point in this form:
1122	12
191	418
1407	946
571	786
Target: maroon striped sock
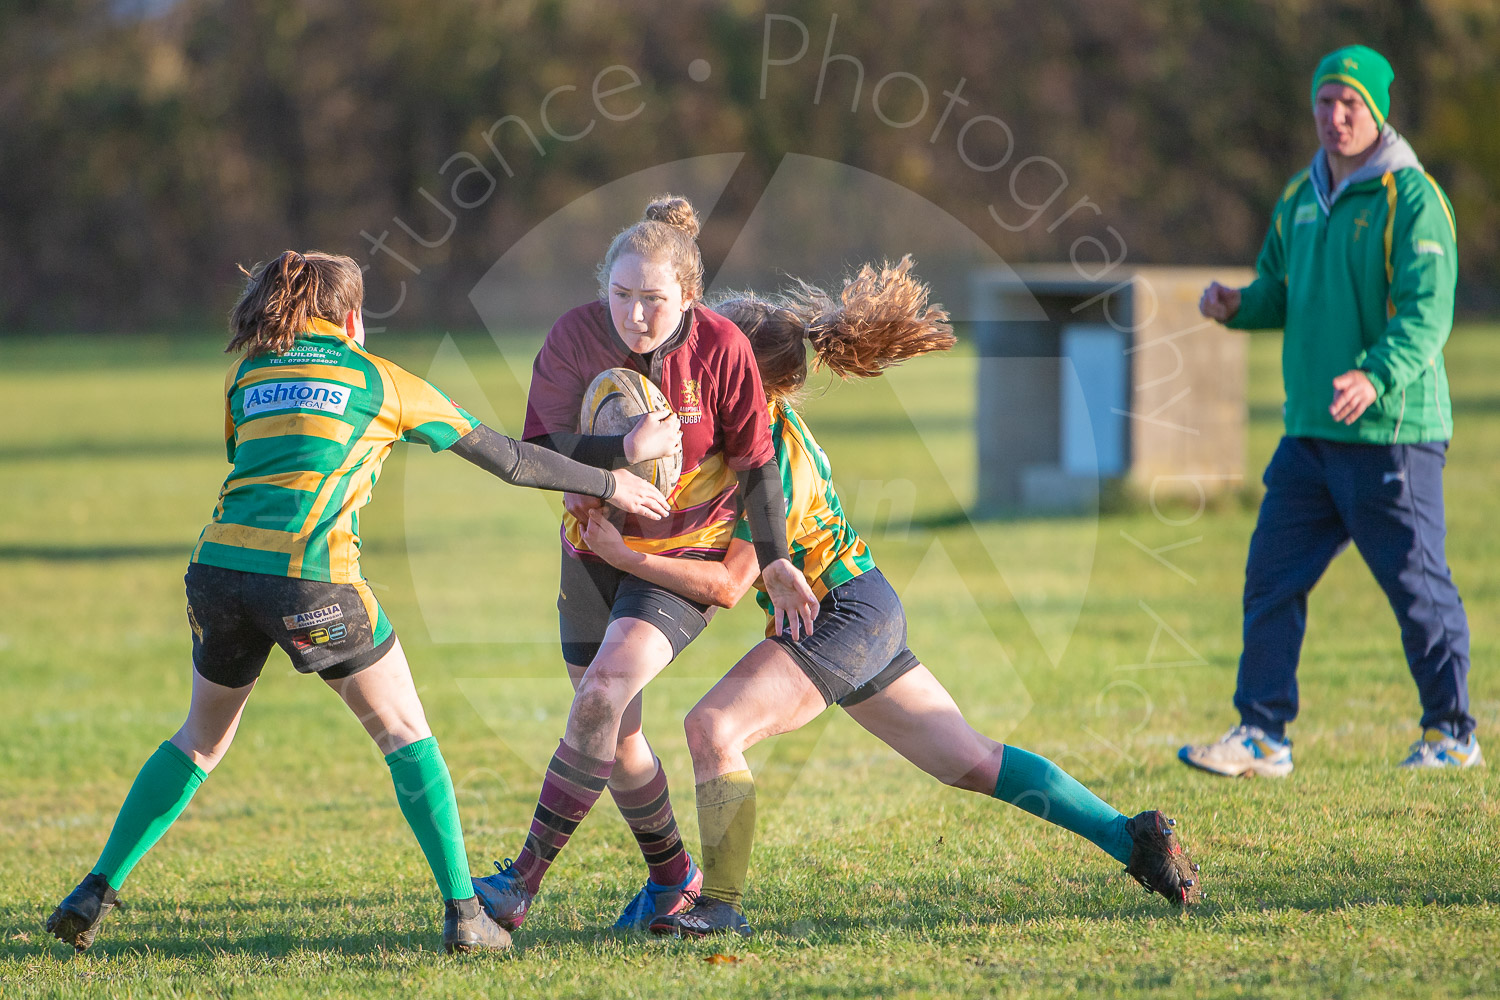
573	784
648	810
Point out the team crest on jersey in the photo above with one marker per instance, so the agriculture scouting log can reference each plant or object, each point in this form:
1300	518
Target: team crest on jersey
690	404
312	619
322	396
1305	213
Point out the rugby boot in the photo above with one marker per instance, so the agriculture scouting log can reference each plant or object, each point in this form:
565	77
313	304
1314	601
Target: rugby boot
76	919
707	916
466	928
504	895
660	900
1158	860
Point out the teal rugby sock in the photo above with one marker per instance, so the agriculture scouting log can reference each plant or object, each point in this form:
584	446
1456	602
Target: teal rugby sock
162	789
1043	789
424	789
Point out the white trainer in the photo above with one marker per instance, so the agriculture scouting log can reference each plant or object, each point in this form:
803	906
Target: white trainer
1437	749
1244	751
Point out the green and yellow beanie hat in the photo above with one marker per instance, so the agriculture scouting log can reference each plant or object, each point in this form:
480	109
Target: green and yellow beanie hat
1365	70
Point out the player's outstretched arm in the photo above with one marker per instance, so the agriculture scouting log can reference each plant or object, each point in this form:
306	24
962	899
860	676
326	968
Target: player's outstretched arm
703	580
521	463
655	435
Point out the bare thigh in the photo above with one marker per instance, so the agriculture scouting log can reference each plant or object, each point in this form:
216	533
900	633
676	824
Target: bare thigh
384	699
763	695
918	718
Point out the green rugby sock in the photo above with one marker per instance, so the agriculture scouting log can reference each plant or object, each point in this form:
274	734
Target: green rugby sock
425	791
161	791
1043	789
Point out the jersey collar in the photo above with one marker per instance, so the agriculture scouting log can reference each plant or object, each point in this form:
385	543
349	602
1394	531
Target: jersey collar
322	328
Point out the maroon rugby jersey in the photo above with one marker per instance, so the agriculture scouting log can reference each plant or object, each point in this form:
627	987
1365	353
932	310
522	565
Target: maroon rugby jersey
707	371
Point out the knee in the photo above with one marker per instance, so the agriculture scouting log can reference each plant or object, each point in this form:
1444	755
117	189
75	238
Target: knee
206	753
600	702
708	732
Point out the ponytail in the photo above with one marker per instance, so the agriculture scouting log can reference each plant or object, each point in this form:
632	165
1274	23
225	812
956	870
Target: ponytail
283	296
880	317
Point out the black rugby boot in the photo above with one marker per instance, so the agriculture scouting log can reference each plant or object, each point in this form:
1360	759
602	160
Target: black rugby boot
76	919
466	928
707	916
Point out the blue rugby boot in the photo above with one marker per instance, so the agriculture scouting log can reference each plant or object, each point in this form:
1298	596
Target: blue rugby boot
504	895
660	900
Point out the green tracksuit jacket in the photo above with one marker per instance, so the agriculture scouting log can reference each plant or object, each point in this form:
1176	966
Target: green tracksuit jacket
1361	277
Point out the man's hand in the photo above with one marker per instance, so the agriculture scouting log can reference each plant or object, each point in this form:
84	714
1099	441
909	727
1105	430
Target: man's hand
1352	395
795	603
579	505
603	539
1219	302
655	435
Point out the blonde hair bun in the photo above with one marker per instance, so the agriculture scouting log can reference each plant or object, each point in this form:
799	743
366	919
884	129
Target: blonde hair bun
674	211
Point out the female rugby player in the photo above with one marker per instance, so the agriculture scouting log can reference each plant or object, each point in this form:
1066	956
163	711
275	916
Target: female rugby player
857	658
309	419
619	631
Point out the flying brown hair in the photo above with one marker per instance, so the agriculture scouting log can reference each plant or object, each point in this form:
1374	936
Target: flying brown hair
881	317
284	295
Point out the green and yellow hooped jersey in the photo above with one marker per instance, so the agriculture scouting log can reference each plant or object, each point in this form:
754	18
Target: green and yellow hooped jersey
307	432
823	544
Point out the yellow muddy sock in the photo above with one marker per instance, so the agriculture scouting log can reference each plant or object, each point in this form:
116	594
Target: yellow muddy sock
726	826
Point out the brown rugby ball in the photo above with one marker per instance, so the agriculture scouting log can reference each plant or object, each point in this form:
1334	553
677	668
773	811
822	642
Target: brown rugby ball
612	404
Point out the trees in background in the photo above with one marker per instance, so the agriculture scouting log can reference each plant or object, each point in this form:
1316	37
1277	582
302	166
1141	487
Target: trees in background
147	146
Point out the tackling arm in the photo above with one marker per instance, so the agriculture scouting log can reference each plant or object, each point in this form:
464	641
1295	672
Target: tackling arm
522	463
703	580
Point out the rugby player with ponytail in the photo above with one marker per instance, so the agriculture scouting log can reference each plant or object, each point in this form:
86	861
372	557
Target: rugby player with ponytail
309	418
858	657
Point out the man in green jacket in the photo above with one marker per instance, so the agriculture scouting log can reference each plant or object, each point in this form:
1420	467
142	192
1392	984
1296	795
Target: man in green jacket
1358	268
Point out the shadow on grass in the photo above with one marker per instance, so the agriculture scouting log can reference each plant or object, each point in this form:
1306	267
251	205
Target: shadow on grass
22	936
92	553
155	550
104	448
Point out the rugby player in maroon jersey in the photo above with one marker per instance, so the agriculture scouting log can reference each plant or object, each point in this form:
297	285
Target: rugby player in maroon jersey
618	630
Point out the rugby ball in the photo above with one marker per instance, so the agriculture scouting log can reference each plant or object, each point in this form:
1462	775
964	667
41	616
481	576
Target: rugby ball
612	404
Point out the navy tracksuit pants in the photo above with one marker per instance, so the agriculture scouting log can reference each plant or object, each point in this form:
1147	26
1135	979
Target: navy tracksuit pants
1387	499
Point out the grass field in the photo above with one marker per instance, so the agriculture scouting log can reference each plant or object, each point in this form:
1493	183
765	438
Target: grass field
292	873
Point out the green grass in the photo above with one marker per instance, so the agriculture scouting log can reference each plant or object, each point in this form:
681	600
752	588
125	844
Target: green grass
292	873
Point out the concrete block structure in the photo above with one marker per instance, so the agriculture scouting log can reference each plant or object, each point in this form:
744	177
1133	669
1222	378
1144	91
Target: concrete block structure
1083	382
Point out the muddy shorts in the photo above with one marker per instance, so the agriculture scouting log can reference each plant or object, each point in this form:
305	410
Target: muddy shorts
858	644
592	593
330	629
